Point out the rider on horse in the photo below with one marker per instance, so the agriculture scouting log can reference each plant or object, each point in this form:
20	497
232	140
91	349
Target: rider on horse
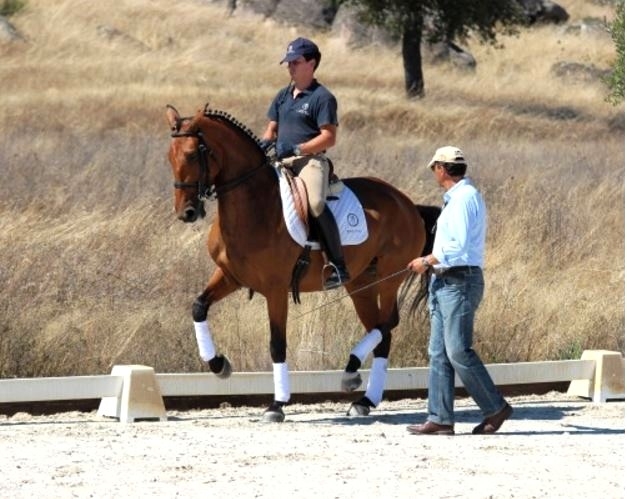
303	125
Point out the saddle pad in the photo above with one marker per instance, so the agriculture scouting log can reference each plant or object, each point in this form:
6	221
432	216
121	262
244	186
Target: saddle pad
348	212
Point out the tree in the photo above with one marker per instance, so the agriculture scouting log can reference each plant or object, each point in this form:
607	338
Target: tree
438	20
10	7
616	80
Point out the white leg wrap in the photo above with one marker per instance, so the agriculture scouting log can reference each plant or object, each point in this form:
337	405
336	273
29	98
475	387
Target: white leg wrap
376	380
205	343
367	344
281	382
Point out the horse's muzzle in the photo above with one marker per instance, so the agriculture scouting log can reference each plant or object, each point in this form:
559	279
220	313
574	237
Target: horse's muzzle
192	213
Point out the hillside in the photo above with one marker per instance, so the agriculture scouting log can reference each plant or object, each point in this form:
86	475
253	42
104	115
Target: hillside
97	271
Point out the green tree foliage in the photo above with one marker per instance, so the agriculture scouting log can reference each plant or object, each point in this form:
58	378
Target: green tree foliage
10	7
437	20
616	80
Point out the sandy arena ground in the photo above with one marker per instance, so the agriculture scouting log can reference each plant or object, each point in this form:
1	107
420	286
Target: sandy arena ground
554	446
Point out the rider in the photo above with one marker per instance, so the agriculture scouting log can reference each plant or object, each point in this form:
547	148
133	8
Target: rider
303	122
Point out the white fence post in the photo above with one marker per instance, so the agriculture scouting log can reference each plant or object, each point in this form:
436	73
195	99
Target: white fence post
608	381
140	397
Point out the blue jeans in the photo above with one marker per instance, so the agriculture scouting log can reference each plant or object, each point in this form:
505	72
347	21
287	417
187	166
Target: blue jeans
453	300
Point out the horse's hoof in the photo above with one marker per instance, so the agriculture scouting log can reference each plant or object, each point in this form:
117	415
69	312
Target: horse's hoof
220	366
351	381
273	416
357	410
274	413
360	407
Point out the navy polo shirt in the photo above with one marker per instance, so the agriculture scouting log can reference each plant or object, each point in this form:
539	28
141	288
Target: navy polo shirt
300	118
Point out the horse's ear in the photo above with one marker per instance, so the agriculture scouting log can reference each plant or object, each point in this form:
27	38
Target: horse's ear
173	117
207	109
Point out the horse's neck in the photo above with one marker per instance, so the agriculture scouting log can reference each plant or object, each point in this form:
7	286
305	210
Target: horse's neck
252	207
248	192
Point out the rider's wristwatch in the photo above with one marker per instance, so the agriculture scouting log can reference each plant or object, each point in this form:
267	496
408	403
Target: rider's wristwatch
297	151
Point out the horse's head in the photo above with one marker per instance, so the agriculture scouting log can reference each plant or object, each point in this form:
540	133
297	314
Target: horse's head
210	153
189	158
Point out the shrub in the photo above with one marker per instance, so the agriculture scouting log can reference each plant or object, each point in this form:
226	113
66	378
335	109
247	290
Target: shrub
616	80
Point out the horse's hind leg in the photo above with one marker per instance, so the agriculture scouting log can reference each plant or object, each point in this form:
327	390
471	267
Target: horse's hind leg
378	373
367	308
352	379
220	285
388	318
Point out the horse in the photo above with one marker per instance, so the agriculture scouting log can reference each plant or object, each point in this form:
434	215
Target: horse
214	155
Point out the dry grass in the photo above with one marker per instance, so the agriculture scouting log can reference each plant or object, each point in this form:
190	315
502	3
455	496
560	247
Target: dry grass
96	270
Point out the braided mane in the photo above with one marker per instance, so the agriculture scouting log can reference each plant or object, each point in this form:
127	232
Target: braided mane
227	118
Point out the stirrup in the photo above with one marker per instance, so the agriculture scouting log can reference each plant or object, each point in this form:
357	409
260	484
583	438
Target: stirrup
336	279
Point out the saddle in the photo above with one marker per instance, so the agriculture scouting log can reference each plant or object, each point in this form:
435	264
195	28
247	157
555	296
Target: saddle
298	192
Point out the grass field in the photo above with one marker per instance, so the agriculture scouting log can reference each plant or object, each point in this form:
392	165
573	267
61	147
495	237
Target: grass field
96	270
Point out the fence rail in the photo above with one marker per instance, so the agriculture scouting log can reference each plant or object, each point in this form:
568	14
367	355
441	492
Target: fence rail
134	392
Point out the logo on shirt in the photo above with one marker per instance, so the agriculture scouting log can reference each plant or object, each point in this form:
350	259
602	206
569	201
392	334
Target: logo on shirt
304	109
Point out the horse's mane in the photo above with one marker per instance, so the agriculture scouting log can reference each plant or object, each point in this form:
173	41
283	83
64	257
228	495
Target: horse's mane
224	117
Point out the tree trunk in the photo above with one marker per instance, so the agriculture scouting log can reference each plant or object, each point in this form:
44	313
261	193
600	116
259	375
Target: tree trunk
412	59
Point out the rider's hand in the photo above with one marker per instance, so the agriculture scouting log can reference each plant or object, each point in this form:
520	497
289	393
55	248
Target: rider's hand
266	144
284	150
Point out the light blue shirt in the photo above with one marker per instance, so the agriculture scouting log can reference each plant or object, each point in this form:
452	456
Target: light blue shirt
461	227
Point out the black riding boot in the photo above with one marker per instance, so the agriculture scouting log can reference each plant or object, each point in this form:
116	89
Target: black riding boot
331	240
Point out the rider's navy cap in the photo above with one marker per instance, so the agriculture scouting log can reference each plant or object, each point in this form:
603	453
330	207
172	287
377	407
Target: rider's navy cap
300	46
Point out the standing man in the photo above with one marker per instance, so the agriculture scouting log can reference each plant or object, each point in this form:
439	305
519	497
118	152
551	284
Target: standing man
455	291
303	122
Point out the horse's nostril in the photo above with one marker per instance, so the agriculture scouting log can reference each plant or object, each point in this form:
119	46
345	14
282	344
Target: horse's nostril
190	214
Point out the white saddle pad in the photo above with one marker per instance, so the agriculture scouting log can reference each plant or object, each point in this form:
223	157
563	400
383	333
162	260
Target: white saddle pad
348	212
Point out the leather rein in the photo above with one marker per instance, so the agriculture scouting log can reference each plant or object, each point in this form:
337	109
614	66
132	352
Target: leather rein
204	187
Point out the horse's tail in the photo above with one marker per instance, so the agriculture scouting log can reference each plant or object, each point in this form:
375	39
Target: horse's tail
430	215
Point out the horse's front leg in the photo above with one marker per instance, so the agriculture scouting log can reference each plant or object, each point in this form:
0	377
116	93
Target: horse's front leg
277	313
220	285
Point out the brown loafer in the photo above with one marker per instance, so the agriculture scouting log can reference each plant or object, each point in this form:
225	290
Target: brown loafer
492	423
431	428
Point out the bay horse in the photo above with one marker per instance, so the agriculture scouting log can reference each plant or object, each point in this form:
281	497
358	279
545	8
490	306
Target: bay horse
213	154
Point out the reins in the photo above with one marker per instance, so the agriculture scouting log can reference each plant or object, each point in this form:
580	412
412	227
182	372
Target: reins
358	290
232	184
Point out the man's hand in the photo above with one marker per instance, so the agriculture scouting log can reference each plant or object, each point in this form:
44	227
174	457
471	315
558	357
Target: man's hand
418	265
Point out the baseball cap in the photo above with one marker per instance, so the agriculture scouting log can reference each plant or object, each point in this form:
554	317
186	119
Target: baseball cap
448	154
300	46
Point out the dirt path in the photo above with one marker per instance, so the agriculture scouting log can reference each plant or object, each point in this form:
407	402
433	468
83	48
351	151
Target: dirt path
555	446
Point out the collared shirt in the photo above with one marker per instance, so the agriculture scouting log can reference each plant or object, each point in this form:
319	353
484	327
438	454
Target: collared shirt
461	227
300	118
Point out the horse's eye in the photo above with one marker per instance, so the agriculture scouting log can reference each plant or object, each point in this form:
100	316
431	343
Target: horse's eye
191	156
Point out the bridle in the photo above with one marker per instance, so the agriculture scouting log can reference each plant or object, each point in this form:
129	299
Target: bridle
204	187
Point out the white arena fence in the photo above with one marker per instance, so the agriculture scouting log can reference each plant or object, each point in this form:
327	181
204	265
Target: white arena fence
133	392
